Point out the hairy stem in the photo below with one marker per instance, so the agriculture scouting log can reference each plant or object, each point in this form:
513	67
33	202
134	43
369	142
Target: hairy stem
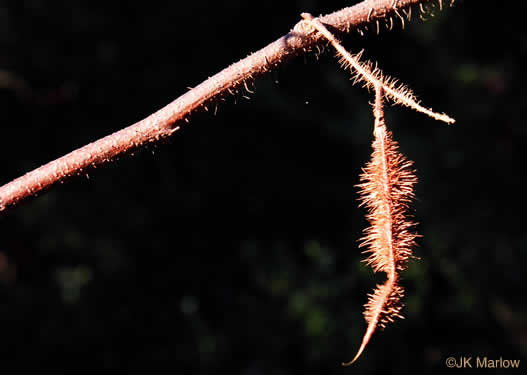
168	120
374	77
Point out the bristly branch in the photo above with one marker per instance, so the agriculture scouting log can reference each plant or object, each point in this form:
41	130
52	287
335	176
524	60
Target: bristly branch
231	80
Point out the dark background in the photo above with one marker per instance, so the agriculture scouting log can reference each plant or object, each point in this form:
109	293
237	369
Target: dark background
233	248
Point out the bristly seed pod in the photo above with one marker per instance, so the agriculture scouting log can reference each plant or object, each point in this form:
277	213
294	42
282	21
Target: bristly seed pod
387	185
386	189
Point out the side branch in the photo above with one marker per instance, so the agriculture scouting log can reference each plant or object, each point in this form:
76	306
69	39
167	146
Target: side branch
168	120
373	77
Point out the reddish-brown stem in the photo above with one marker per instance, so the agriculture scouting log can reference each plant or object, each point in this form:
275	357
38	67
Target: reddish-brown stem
167	120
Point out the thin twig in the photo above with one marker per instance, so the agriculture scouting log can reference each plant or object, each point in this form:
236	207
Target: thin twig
400	94
168	120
